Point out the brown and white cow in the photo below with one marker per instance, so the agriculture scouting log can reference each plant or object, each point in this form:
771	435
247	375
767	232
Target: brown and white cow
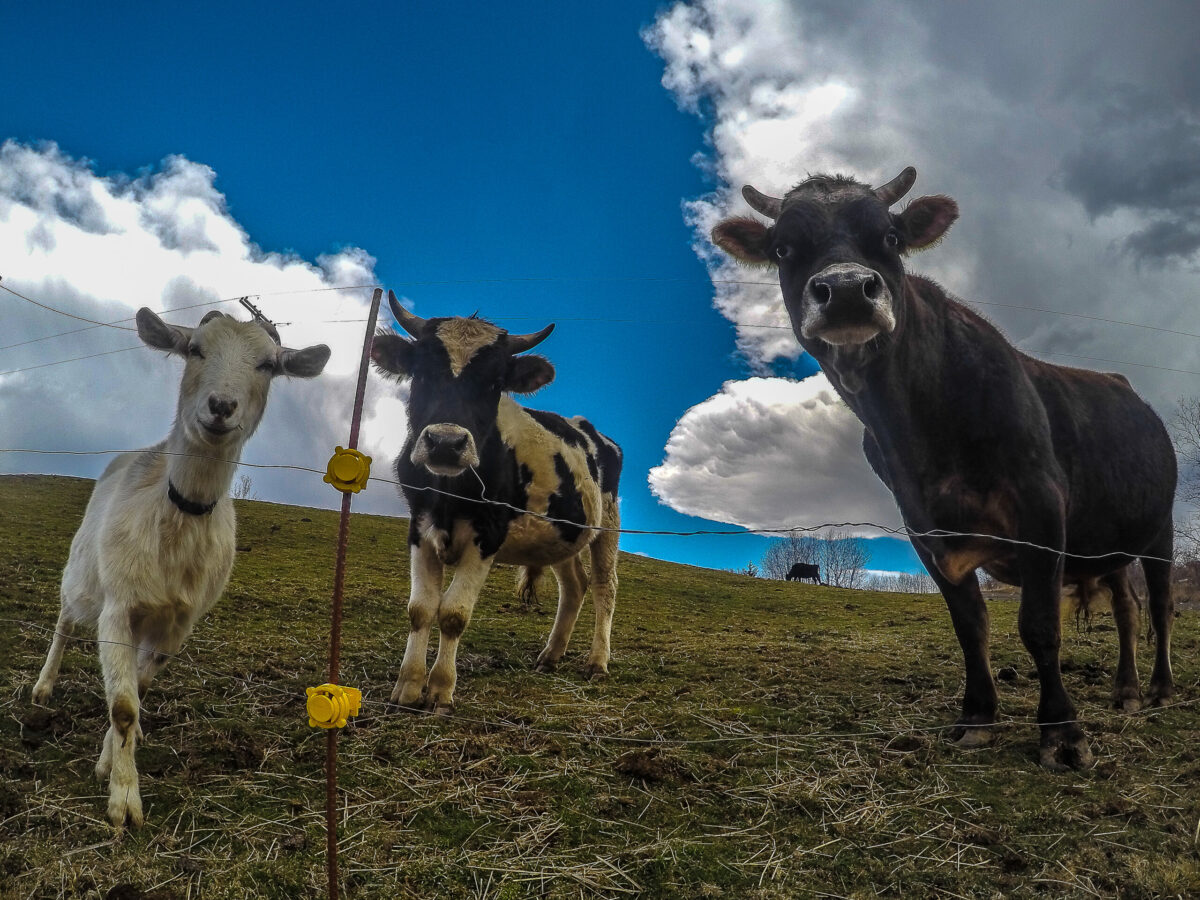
474	467
973	436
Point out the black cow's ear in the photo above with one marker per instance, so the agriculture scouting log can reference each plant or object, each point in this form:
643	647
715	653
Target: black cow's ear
392	353
926	219
527	374
746	240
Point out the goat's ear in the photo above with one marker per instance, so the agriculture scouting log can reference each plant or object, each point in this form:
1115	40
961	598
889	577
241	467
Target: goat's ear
392	354
527	374
746	240
161	336
306	363
926	219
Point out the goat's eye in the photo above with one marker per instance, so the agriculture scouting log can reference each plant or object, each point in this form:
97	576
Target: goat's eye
268	367
783	251
891	240
195	351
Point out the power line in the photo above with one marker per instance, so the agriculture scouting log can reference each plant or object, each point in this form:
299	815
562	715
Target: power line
61	312
73	359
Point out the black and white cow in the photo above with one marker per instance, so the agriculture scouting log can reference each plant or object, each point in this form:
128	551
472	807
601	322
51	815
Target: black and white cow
479	473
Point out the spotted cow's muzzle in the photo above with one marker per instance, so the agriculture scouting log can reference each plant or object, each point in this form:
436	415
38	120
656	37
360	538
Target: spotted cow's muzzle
847	303
445	450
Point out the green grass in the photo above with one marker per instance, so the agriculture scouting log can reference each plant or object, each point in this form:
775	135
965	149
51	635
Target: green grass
834	780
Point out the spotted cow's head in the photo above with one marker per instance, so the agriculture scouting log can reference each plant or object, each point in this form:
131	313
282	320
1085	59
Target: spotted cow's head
459	368
839	249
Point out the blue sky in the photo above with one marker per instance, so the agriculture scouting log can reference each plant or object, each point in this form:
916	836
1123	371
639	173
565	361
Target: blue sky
530	161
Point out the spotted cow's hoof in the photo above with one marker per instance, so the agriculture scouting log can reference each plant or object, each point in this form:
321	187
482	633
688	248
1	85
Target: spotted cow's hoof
595	672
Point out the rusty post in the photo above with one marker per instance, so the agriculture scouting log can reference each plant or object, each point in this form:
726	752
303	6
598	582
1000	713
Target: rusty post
335	631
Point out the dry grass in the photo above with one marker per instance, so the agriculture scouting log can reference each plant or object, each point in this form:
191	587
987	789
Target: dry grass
756	739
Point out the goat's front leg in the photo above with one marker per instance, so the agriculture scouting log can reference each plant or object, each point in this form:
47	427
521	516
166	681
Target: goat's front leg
426	572
454	614
44	687
118	661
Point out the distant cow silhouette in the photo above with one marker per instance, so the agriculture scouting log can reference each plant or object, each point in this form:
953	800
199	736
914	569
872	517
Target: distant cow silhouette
804	570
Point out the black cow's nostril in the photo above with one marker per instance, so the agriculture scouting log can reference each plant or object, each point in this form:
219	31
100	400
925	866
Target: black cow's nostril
221	406
460	444
871	287
822	292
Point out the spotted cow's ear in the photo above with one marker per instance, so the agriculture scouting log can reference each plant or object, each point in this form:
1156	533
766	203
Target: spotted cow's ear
926	219
392	354
527	374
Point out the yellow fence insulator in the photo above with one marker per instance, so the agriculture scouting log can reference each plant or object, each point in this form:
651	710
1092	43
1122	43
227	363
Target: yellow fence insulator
330	705
348	470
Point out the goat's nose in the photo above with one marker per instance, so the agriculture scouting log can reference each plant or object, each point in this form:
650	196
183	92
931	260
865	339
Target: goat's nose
221	406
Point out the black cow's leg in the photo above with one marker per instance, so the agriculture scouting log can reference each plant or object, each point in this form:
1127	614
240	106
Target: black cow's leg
1063	742
1156	564
969	615
1127	693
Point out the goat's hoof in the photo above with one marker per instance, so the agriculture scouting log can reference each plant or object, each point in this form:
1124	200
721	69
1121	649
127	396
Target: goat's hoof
42	694
1063	751
443	710
126	808
545	662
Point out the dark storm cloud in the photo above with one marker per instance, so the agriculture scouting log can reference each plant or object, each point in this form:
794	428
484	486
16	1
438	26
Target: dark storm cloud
1142	152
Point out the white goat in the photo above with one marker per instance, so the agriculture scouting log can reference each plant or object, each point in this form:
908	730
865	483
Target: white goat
156	545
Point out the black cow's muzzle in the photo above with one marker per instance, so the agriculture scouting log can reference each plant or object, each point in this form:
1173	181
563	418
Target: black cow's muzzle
445	449
846	303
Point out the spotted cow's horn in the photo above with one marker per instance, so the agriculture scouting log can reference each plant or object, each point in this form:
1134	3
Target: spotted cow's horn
410	322
768	206
519	343
897	187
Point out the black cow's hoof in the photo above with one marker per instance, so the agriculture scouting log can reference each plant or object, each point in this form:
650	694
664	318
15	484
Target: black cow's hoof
1160	694
1063	751
970	736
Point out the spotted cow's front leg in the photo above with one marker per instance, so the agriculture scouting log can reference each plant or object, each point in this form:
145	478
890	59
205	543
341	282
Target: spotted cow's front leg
426	593
454	614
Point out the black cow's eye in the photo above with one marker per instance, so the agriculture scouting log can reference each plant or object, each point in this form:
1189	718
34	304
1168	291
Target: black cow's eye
891	240
783	251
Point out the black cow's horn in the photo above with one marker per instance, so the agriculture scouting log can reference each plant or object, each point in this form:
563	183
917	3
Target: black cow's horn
410	322
897	187
768	206
519	343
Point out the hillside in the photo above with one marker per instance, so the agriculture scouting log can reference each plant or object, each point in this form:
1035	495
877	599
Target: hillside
756	739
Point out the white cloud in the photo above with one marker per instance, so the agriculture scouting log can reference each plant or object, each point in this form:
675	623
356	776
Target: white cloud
987	115
103	246
772	453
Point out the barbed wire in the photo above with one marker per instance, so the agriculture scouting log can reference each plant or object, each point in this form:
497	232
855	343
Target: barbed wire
387	709
901	531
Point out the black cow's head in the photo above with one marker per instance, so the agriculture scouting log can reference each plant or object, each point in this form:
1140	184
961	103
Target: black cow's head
838	248
459	368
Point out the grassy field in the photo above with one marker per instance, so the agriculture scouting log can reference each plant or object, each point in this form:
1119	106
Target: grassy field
756	739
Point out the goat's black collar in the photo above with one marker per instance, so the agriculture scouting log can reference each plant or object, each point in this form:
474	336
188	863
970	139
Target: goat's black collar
191	507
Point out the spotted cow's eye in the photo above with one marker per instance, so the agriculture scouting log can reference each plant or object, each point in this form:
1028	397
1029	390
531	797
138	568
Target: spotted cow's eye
891	240
783	251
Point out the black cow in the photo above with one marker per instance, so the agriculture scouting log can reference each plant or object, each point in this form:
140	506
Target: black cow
473	464
805	570
973	436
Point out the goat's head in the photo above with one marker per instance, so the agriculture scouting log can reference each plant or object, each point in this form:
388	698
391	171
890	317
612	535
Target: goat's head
228	372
